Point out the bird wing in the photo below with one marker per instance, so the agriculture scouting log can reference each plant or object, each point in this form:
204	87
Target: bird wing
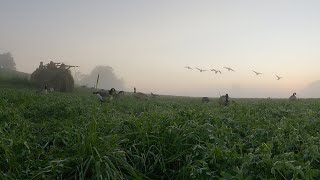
229	69
279	77
257	73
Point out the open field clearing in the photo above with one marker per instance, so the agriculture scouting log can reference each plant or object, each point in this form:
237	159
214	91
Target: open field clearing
74	136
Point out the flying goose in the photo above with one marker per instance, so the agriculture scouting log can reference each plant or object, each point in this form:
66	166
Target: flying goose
229	69
201	70
216	71
257	73
188	67
278	77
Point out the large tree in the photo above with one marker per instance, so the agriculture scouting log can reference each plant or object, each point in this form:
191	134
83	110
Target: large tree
107	80
7	61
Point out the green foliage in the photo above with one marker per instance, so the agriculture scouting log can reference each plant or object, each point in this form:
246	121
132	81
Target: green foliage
74	136
11	78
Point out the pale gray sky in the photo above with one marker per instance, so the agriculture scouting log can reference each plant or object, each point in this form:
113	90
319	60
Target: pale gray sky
149	42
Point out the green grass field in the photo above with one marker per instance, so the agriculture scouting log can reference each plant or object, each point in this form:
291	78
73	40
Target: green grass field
74	136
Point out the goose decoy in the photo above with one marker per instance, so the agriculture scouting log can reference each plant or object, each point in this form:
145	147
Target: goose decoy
293	97
154	95
224	100
104	95
139	95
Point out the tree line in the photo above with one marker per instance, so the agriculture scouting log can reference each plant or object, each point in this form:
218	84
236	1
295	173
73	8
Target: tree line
7	61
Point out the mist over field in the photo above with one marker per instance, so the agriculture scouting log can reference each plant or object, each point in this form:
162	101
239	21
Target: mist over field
168	89
149	44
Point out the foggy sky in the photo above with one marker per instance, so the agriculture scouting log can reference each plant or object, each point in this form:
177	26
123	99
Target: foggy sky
149	42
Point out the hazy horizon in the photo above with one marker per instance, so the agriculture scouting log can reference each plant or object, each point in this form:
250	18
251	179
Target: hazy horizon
148	43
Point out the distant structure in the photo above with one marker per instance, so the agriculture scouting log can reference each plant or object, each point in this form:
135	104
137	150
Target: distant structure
54	75
293	97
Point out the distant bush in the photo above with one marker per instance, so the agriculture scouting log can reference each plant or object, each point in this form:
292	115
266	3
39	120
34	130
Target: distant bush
14	78
15	81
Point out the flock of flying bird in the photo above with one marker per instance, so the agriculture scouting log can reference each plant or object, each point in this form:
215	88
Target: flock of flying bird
228	68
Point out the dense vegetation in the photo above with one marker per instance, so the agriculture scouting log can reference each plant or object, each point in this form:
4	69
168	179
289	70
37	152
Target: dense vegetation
72	136
12	78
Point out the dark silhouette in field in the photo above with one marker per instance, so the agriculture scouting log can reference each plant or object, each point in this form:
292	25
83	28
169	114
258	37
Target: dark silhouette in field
205	100
7	61
46	88
154	95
